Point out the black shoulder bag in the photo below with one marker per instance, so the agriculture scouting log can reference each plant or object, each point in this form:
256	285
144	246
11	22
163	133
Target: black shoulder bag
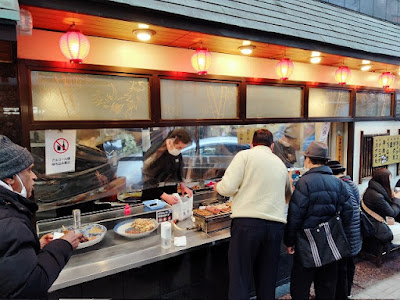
322	244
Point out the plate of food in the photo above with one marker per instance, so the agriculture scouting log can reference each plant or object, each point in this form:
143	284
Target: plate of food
92	234
135	228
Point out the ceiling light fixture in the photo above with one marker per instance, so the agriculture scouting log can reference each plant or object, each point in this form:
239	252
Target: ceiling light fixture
315	59
246	50
365	62
366	67
144	35
315	54
143	26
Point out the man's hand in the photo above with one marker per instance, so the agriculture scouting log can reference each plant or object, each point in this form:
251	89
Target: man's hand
215	187
44	240
73	238
171	200
186	190
290	250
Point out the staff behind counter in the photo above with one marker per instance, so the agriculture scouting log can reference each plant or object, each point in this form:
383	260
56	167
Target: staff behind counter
163	168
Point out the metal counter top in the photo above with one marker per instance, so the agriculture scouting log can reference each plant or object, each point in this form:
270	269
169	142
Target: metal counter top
119	254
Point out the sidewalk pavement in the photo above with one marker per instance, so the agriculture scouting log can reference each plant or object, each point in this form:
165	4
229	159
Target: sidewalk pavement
371	282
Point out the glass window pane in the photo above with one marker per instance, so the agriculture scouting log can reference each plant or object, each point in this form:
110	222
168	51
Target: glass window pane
372	104
60	96
328	103
198	100
268	101
398	105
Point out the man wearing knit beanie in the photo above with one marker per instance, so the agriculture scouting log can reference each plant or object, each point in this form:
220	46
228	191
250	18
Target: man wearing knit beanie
28	266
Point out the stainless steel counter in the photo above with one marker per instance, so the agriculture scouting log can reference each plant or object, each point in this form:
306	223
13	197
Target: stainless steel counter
116	254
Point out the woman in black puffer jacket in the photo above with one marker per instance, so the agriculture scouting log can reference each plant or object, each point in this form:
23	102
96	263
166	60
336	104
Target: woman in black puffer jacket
379	198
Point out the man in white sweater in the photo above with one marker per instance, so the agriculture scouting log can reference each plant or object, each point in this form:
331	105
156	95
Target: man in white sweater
259	184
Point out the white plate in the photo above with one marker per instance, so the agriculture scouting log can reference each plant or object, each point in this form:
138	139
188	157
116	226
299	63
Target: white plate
86	232
121	227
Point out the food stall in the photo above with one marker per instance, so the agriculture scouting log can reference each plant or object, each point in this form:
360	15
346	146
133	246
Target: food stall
115	107
112	251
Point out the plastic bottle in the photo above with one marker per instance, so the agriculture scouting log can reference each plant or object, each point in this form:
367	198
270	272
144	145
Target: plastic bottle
295	177
127	210
76	213
165	234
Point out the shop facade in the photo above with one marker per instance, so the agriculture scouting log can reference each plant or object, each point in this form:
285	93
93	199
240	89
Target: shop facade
127	95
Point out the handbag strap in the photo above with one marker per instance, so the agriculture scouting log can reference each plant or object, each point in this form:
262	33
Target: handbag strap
372	213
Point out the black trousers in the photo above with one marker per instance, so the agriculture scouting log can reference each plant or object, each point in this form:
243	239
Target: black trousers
254	252
346	269
324	279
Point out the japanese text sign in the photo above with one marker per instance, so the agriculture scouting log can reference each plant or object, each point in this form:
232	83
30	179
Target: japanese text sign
60	151
385	150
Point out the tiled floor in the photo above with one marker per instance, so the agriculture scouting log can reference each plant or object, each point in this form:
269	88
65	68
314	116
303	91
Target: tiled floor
371	282
388	288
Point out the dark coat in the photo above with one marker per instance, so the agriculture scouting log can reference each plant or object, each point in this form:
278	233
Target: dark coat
165	168
354	229
316	199
377	200
26	270
286	153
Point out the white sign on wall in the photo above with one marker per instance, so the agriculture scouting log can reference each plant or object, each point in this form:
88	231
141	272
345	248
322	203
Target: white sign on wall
324	132
60	151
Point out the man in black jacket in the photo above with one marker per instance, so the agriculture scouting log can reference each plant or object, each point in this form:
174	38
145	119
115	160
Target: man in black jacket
317	198
28	267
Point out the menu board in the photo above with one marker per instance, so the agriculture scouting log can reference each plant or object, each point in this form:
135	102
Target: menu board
386	150
245	135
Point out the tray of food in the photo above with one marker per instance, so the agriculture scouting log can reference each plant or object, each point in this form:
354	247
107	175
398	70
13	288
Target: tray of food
135	228
214	217
92	234
213	210
130	197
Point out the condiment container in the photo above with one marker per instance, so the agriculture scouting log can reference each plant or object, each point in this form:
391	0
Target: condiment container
165	234
76	213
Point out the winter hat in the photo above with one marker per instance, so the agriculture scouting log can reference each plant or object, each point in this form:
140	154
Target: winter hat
13	158
336	167
317	150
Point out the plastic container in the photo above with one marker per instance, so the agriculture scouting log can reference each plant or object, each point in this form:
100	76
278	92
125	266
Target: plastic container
166	235
76	213
127	210
154	204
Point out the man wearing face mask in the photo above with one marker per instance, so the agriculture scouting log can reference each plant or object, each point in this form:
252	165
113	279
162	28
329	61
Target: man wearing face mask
28	266
163	169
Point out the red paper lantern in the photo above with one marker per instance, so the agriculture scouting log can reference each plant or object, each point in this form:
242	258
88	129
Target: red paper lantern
342	75
386	79
201	61
284	68
74	45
